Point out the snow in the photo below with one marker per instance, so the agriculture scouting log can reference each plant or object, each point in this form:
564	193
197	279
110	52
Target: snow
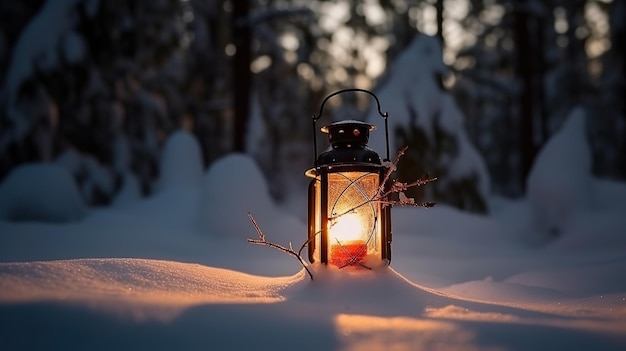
234	186
181	162
38	48
412	97
74	47
133	281
130	191
558	185
174	271
469	159
40	192
411	85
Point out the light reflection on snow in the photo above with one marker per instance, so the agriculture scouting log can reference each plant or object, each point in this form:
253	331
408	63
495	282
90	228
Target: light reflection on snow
453	312
138	288
361	333
456	312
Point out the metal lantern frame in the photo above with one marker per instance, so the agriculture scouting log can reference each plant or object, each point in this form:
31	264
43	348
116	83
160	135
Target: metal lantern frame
346	179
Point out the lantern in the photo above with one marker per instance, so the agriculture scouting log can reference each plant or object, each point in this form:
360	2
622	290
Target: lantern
348	221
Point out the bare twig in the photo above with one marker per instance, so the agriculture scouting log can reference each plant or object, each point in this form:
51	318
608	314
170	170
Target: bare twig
305	244
390	169
387	187
290	251
395	187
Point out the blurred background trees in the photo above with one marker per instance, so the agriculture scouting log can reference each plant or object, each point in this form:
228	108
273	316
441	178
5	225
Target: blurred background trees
97	86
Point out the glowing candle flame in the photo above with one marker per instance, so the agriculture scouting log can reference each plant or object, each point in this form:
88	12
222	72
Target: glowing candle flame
347	227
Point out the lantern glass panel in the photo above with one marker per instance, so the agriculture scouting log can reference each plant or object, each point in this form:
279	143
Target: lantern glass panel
317	220
353	219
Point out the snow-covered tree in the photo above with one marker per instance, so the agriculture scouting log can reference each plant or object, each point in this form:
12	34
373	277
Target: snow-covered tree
610	131
571	52
97	79
425	118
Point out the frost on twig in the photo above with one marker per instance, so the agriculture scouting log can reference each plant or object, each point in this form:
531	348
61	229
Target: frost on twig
391	186
289	250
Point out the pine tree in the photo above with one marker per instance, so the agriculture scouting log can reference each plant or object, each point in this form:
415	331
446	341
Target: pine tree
98	79
426	118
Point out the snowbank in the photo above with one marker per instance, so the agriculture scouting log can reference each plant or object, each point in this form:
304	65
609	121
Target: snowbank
181	162
40	192
148	304
153	285
558	185
130	191
234	186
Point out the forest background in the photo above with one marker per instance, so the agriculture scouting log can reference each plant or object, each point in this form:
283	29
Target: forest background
98	86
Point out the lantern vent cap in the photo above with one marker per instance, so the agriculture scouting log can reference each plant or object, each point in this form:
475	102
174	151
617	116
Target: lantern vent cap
347	123
349	133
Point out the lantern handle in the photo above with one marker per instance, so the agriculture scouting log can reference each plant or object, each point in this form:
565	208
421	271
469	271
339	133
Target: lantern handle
384	115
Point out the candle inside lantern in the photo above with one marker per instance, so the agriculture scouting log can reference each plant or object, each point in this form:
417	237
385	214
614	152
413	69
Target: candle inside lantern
347	246
348	253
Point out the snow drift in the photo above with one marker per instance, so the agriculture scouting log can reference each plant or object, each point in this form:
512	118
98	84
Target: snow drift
40	192
558	185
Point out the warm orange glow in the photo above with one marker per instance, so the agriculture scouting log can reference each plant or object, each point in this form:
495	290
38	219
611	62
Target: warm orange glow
353	232
348	253
345	223
363	332
148	289
347	241
346	228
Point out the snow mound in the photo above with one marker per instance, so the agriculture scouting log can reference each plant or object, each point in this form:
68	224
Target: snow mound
181	163
130	191
356	310
559	181
149	288
40	192
608	194
436	222
234	186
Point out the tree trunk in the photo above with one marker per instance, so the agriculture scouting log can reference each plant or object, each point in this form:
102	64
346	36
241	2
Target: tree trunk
241	73
525	74
618	36
539	78
439	7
